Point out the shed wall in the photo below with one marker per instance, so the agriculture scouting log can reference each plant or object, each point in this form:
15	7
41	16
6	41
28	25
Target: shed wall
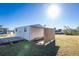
49	34
37	33
21	33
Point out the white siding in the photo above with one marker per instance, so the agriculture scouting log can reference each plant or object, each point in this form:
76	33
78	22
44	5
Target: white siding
20	32
30	34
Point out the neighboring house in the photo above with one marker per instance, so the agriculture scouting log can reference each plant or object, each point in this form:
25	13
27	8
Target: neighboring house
35	31
59	31
77	28
10	31
3	30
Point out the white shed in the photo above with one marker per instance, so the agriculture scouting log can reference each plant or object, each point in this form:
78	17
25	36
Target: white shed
34	31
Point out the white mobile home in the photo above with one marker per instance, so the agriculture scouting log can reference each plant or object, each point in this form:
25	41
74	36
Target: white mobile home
35	31
29	32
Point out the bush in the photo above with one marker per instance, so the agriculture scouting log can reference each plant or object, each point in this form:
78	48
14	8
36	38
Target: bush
69	31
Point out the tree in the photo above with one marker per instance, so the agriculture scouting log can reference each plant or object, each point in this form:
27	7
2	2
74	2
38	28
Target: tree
67	30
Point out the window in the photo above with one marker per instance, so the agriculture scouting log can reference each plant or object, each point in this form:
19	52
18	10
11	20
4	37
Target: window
16	30
25	30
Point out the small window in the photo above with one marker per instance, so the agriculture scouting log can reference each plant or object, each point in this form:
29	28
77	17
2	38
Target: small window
25	30
16	30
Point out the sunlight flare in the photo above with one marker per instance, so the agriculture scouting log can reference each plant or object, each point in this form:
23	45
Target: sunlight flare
53	11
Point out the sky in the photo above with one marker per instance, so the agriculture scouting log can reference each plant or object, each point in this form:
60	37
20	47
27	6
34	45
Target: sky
14	15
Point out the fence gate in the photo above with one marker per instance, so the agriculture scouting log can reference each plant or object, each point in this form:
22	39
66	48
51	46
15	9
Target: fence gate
49	34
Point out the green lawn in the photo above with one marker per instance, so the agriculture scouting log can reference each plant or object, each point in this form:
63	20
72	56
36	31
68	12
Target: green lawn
26	48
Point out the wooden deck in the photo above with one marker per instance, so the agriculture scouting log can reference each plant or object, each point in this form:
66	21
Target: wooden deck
10	40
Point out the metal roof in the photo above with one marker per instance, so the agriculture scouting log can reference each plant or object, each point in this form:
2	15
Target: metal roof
37	26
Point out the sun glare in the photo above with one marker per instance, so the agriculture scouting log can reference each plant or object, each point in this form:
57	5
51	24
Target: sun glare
53	11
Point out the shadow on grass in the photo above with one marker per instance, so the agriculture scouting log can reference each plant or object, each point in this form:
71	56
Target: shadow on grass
26	48
40	50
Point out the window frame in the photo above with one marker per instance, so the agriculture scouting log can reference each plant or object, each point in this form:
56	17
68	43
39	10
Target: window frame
25	29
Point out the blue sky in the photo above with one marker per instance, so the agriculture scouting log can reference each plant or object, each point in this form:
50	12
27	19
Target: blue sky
15	15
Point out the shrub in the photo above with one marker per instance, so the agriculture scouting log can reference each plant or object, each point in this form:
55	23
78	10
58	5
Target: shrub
69	31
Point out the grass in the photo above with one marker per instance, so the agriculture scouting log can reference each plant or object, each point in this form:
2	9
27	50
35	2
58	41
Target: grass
26	48
66	45
69	45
